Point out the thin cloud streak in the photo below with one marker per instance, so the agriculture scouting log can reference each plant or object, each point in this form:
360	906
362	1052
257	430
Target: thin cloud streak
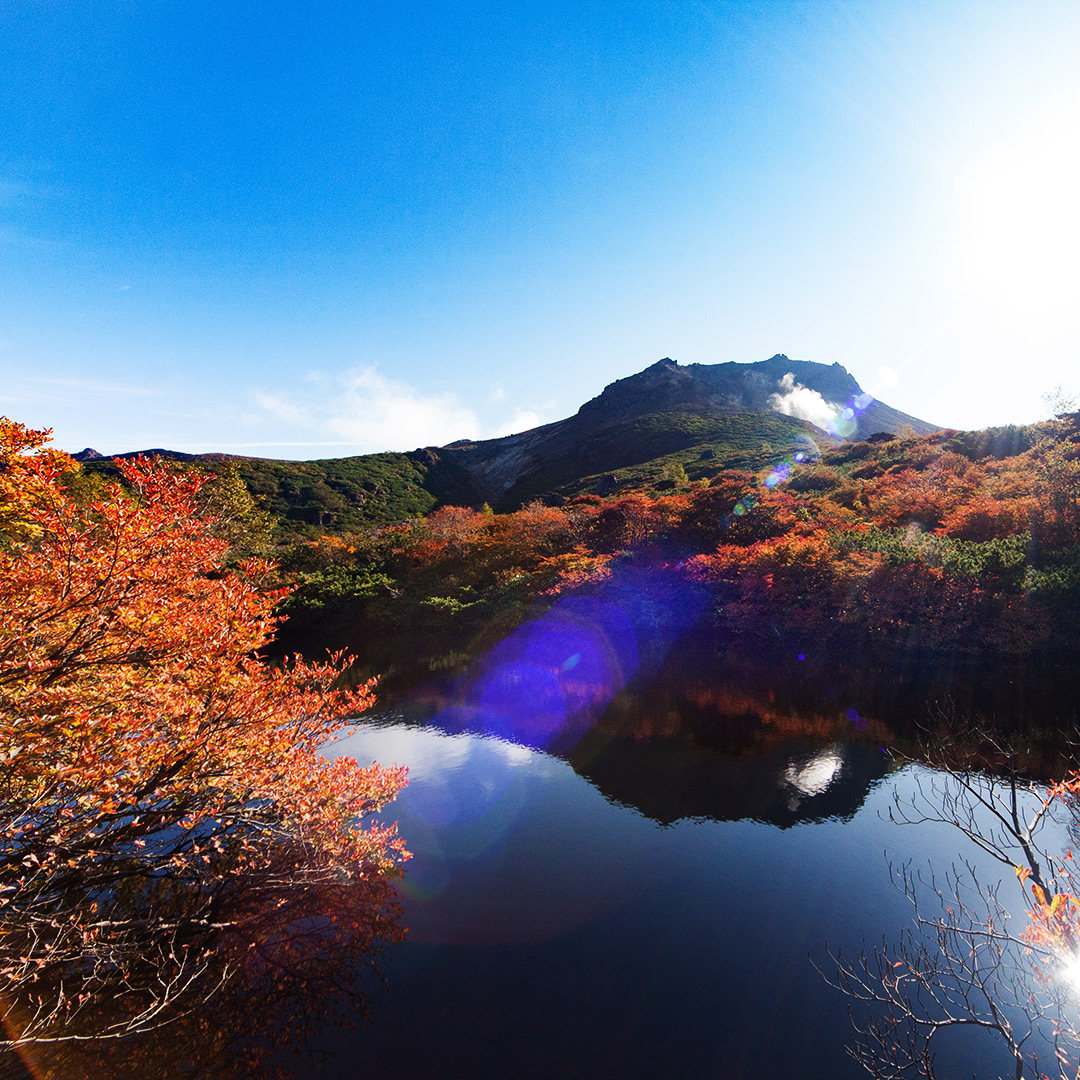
34	388
368	411
206	446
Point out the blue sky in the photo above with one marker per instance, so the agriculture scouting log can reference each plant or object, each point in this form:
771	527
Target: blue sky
312	229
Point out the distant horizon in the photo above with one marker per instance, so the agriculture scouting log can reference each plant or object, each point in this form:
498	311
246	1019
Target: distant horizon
235	450
286	227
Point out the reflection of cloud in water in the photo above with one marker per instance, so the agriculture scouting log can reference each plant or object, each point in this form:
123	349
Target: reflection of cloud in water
813	777
453	779
464	797
430	753
479	810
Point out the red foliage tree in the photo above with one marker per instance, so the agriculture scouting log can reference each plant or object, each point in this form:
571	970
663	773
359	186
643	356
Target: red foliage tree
147	757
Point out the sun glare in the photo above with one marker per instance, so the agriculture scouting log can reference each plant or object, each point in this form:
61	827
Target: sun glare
1069	972
1019	219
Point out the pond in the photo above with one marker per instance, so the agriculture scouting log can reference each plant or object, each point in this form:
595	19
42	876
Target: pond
633	849
652	907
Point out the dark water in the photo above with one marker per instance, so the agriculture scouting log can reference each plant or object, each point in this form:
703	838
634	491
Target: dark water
655	918
632	844
629	855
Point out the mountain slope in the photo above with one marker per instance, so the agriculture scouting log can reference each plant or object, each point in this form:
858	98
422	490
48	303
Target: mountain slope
669	408
582	453
637	432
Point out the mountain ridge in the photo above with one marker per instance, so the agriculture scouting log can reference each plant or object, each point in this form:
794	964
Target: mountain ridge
502	468
637	430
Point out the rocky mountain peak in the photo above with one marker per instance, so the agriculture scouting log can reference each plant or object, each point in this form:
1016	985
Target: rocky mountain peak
818	393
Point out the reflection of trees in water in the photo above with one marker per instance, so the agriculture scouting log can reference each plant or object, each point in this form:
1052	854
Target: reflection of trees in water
991	951
895	681
256	966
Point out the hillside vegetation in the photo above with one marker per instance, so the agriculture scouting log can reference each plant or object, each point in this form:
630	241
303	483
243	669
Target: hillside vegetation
962	543
642	432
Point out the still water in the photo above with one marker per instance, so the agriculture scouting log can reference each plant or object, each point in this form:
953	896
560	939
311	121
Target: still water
640	904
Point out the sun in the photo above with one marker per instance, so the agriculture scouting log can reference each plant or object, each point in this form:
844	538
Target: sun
1017	243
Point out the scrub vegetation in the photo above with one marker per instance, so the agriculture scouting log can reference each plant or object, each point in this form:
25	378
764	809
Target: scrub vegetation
963	544
163	790
170	827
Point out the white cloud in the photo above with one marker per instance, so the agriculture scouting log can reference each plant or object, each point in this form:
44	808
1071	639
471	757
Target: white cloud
497	393
522	420
372	413
285	410
806	404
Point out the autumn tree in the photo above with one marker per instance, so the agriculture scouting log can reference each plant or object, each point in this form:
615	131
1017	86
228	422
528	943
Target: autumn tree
148	759
1057	481
982	955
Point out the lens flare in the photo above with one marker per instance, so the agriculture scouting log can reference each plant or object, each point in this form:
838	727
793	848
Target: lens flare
571	660
545	684
1069	972
860	723
779	474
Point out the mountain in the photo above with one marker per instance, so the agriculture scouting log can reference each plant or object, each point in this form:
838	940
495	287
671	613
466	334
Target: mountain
756	387
640	432
743	413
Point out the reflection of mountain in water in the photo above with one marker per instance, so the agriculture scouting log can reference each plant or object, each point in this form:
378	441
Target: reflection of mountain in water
784	784
678	740
704	750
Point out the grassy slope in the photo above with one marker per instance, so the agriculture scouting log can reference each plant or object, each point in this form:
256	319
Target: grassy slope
347	494
343	495
641	450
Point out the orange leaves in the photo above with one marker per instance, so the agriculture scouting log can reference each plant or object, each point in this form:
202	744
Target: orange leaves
138	731
572	570
28	475
984	518
796	559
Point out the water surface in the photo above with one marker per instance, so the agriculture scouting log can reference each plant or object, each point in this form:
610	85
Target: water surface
655	917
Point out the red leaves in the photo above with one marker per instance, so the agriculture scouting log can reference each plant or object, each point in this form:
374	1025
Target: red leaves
136	727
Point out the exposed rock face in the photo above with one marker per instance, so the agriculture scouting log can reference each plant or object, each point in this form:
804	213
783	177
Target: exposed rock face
426	456
89	454
595	440
744	387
